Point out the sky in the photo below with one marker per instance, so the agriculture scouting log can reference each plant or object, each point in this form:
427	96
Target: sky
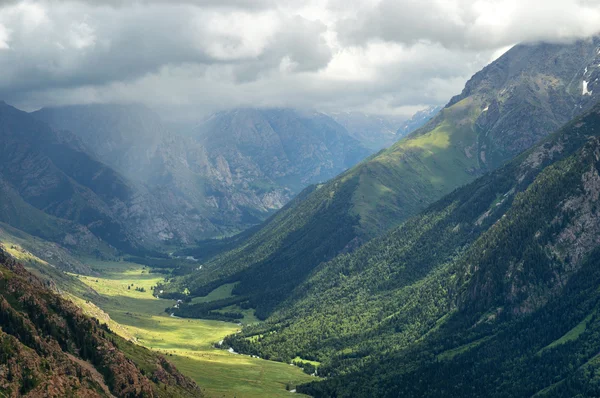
190	58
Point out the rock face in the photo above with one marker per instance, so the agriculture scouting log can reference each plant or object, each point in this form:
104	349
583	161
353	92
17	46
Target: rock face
284	147
231	172
50	349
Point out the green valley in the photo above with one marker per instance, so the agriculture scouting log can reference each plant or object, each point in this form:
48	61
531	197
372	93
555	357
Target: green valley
192	205
188	343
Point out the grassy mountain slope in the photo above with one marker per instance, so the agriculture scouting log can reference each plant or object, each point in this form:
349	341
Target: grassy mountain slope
50	348
483	294
507	107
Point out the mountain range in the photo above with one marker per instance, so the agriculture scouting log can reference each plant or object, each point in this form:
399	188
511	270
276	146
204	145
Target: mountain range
491	291
108	178
229	173
514	102
460	260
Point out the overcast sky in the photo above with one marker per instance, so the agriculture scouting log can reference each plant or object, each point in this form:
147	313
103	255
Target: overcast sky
195	57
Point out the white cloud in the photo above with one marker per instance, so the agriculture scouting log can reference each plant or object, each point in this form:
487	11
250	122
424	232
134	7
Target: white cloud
4	38
472	24
200	56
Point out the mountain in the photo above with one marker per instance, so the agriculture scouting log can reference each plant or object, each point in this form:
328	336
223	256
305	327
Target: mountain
125	137
53	188
284	147
417	120
514	102
228	173
491	291
49	348
373	131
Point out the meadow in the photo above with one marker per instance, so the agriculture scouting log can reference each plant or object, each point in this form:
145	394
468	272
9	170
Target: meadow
188	343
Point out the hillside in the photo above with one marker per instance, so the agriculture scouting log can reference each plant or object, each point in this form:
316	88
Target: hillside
514	102
491	291
49	348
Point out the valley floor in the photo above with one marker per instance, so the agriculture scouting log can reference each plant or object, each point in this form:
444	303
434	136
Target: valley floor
189	343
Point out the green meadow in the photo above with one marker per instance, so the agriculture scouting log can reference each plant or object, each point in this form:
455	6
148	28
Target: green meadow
188	343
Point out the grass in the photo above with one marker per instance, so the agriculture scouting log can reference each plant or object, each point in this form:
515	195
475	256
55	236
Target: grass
571	335
448	355
314	363
222	292
249	317
18	244
430	163
188	343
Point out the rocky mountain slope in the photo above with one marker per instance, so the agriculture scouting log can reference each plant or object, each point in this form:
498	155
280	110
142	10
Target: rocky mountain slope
53	188
514	102
285	147
229	173
491	291
49	348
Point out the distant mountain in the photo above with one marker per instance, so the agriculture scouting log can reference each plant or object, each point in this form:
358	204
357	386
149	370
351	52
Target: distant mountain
507	107
491	291
417	121
284	147
229	173
372	131
51	185
49	348
125	137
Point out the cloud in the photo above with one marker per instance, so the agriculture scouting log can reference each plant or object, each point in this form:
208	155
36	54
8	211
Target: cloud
240	4
192	57
472	24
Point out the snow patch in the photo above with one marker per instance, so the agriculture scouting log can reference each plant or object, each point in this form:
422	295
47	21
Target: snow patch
585	89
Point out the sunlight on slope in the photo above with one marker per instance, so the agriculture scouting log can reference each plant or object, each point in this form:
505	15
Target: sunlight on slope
189	343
